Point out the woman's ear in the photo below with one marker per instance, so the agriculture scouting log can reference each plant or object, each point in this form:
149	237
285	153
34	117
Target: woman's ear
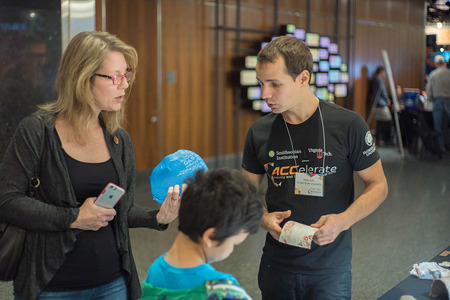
207	237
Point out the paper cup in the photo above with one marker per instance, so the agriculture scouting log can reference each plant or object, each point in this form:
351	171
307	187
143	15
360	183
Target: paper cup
297	234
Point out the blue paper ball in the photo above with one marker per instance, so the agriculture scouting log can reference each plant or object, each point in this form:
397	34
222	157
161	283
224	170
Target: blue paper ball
174	169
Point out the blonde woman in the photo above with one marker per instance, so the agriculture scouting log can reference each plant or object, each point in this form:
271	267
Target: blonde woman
74	248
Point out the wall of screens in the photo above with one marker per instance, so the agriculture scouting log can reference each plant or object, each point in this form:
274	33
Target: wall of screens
329	79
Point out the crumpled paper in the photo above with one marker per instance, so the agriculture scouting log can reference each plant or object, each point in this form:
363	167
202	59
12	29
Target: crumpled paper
297	234
429	270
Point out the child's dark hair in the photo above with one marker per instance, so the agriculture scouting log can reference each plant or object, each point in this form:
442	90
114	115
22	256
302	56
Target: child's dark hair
223	199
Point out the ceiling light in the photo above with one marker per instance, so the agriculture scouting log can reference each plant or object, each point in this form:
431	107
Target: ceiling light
439	25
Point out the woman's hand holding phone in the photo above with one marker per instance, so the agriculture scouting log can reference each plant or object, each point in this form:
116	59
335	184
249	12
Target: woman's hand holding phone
92	216
97	212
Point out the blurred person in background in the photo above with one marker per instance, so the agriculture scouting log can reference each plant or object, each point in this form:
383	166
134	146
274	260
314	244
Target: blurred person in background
438	91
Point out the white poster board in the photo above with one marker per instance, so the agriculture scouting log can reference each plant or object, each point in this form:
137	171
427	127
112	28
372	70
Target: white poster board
394	100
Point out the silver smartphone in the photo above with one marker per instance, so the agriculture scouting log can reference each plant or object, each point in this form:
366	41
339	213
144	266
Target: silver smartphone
110	195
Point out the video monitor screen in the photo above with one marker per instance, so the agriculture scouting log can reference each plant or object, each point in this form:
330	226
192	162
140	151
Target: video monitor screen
333	48
323	54
250	61
313	79
300	34
315	67
321	79
344	67
256	105
260	105
324	66
288	28
340	90
331	97
267	40
445	54
248	77
335	61
315	54
313	89
344	77
322	93
324	41
264	107
331	88
254	93
312	39
334	76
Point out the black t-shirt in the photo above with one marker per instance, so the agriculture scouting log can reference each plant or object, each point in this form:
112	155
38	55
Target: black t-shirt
348	147
94	260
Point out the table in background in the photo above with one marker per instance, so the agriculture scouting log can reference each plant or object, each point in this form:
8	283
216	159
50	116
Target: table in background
413	286
417	131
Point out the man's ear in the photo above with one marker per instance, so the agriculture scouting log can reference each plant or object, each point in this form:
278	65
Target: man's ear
207	236
303	77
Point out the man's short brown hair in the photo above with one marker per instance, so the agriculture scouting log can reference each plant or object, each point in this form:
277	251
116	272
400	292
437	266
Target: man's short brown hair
296	55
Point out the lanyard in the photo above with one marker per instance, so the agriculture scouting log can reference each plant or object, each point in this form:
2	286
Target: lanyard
323	137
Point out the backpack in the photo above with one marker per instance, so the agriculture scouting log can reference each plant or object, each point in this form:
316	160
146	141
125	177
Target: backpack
212	290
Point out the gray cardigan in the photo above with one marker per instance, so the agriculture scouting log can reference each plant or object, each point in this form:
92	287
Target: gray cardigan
47	220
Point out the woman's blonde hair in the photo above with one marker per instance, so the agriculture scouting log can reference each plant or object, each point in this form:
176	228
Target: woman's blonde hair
83	56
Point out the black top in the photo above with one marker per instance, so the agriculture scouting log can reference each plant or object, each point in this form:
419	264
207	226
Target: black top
94	260
348	147
47	218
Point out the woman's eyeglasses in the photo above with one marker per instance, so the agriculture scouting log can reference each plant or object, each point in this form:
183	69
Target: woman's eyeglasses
117	79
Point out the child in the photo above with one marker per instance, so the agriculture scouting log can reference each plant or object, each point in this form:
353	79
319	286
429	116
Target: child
218	210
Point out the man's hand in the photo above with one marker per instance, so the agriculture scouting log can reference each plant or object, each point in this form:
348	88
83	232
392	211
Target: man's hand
271	222
330	226
375	191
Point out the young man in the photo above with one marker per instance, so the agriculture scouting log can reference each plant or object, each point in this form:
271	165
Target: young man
438	91
309	149
219	209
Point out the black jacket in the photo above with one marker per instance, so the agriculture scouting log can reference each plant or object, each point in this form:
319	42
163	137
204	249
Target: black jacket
47	220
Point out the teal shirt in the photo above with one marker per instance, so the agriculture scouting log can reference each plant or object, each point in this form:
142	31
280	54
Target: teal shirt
162	274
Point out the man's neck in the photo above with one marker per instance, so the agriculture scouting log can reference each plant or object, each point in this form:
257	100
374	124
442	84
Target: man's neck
303	111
